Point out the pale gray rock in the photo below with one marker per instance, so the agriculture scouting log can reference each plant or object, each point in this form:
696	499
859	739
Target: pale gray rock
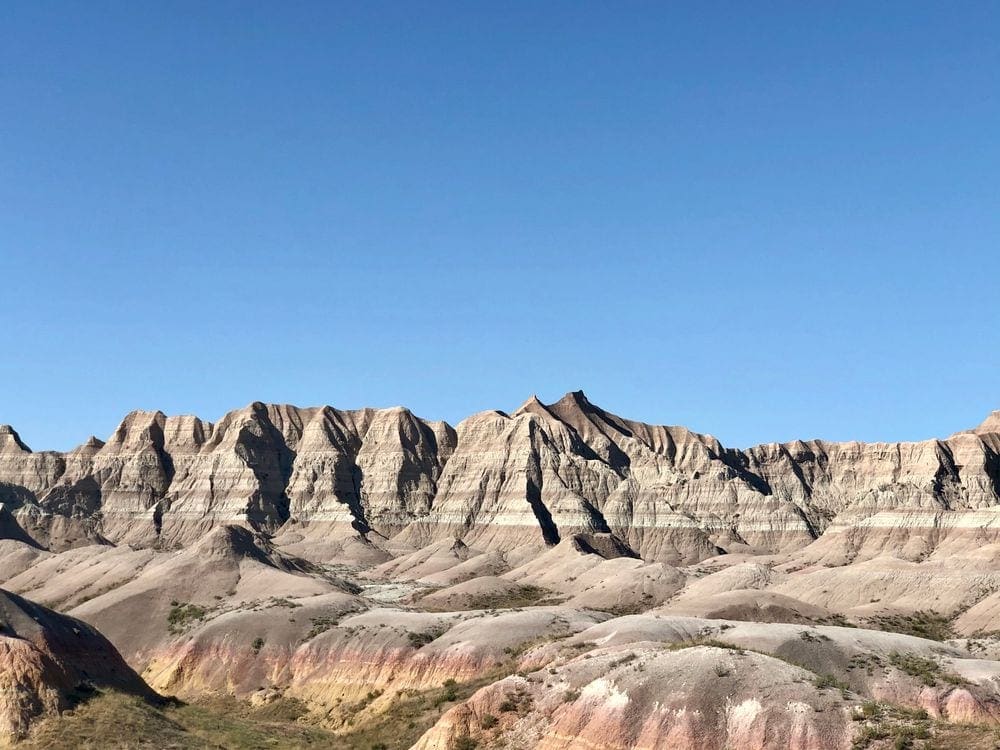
524	481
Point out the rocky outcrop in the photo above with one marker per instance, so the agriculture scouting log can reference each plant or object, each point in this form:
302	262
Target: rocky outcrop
499	482
48	661
619	698
680	682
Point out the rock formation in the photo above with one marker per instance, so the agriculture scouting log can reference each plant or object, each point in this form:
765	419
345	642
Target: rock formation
497	482
48	661
555	577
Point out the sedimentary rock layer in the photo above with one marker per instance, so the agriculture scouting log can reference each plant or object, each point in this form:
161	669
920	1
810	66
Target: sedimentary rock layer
498	482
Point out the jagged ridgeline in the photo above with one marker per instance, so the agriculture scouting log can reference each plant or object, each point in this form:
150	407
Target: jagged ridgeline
496	481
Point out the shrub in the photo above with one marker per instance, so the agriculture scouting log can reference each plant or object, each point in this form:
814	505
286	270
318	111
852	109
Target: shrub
926	670
824	681
923	624
181	615
419	640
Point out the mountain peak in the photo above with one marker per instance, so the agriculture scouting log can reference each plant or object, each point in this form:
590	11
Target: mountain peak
575	398
989	425
10	441
533	405
91	444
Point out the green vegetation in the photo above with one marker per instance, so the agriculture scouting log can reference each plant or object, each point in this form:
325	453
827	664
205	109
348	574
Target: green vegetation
828	681
811	637
883	722
926	670
489	721
705	641
320	625
135	723
923	624
419	640
835	619
868	662
522	596
518	702
282	602
181	615
226	723
412	714
449	694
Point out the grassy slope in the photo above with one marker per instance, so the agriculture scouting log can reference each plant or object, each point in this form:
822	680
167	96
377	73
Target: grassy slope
114	721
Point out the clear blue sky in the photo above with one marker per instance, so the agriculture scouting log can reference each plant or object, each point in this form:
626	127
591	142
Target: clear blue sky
761	220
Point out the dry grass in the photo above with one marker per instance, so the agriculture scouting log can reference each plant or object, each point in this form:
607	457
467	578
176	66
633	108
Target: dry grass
522	596
411	715
107	720
113	721
923	624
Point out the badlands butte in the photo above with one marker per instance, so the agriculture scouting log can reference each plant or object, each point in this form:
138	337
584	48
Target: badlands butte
557	577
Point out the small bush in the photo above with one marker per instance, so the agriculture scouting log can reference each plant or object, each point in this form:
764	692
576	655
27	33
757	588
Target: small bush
923	624
926	670
450	692
419	640
257	645
825	681
181	615
319	625
489	721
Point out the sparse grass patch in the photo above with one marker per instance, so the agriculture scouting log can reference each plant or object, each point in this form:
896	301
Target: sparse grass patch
488	721
182	615
114	719
928	671
884	723
828	681
320	625
923	624
421	639
516	598
411	715
705	641
812	637
835	619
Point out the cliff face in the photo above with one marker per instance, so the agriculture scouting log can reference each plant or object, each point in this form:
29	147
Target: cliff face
498	481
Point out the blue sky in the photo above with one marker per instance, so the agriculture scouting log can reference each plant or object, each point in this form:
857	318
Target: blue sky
761	220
